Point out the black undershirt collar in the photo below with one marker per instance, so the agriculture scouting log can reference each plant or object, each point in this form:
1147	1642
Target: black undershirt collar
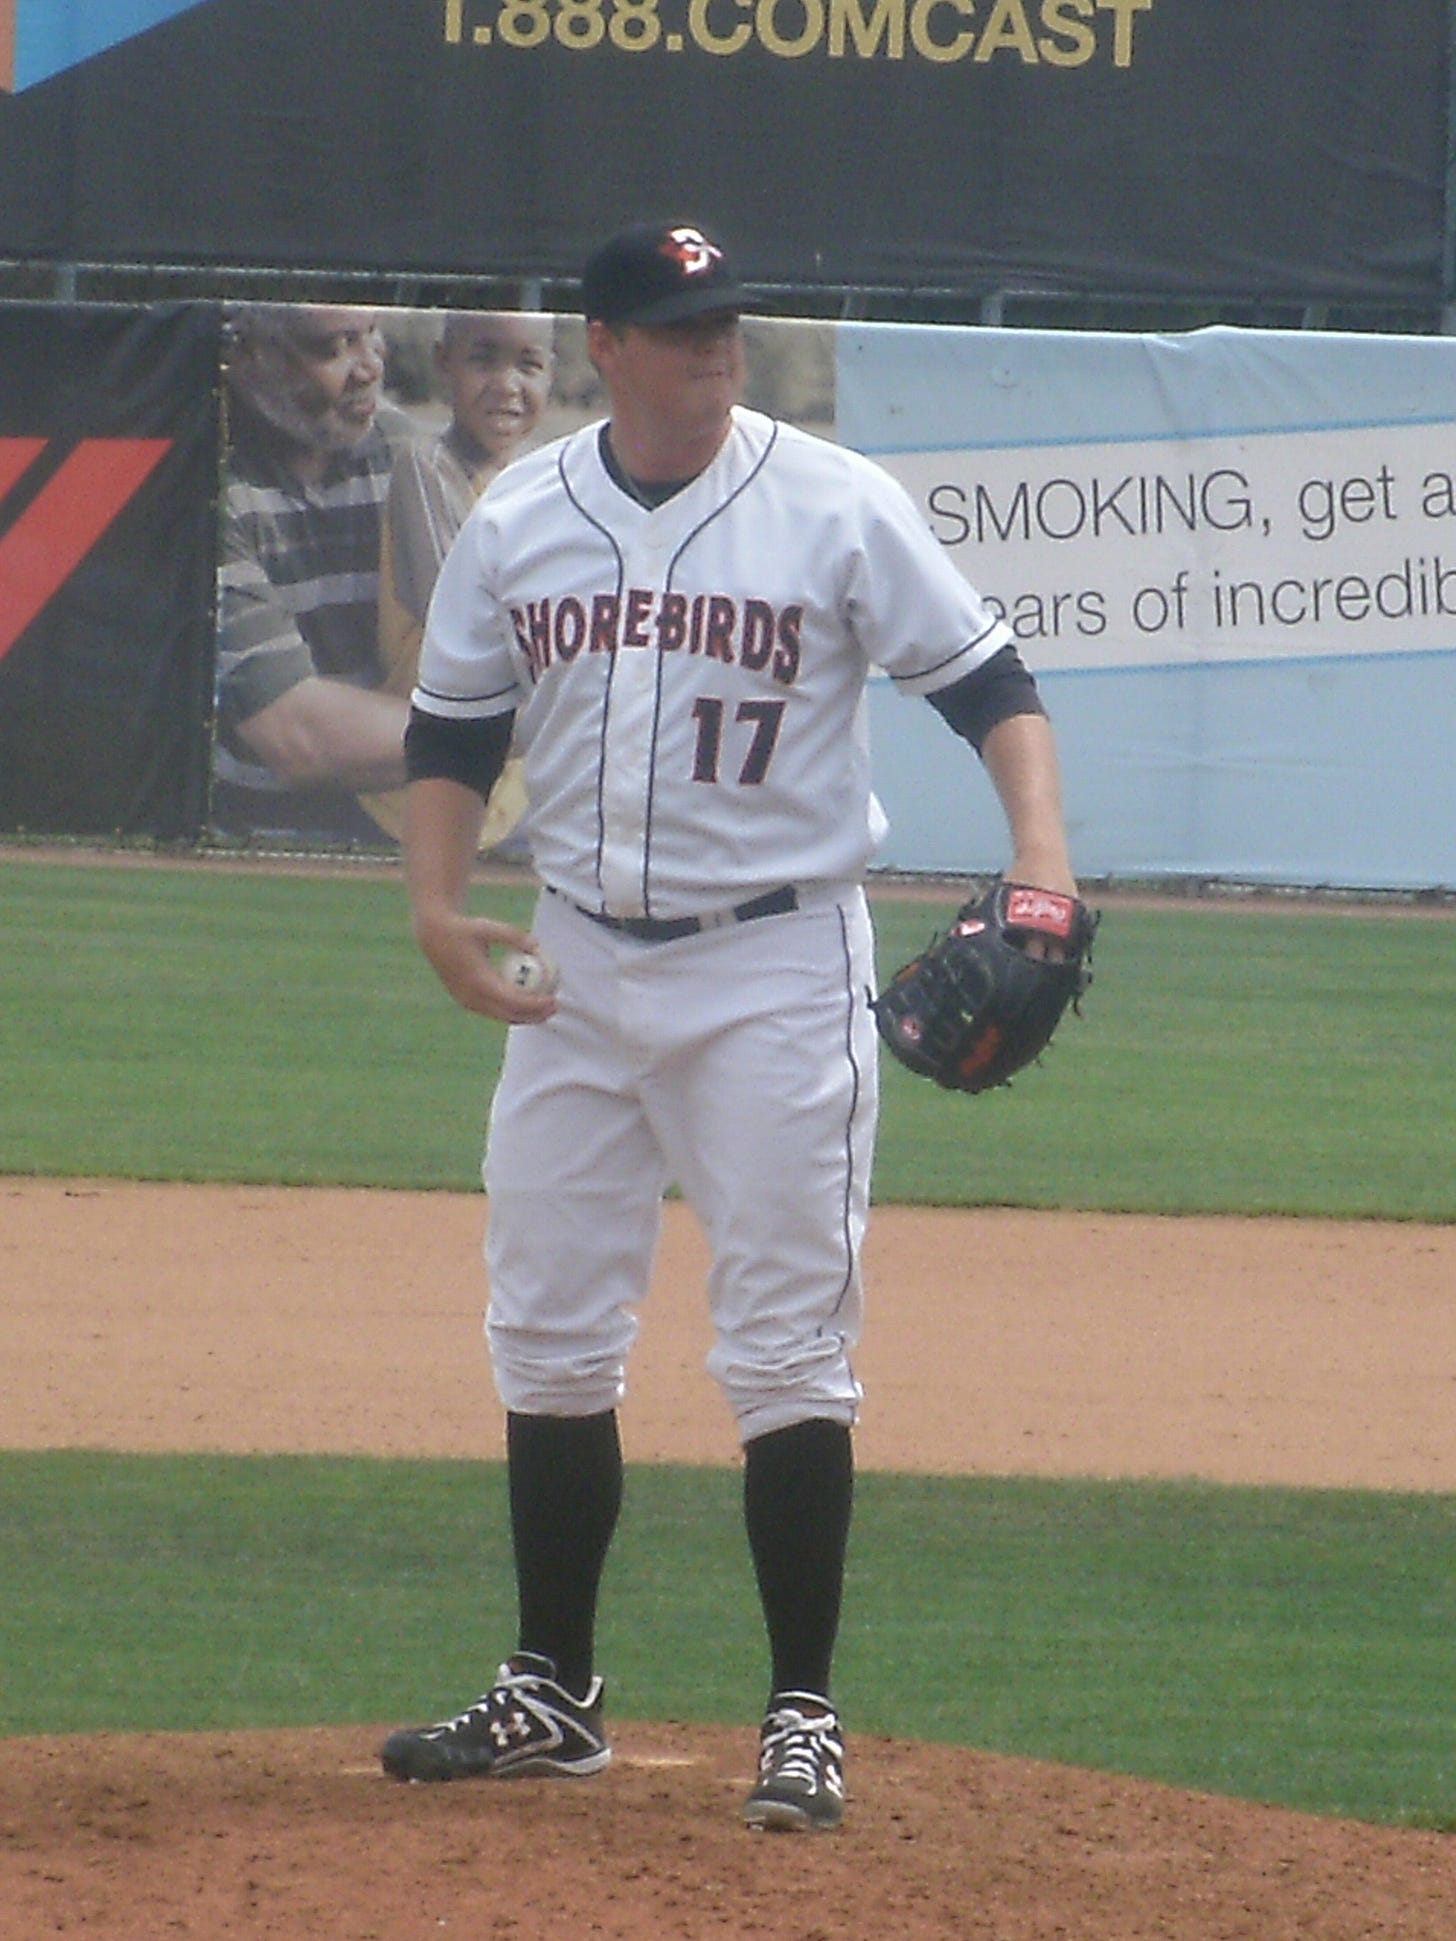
650	493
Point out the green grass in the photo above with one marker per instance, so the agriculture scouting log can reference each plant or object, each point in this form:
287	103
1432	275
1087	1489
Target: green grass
1249	1063
1290	1646
207	1024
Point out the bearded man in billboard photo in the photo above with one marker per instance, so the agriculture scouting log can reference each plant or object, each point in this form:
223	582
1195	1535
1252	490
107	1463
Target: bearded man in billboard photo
304	723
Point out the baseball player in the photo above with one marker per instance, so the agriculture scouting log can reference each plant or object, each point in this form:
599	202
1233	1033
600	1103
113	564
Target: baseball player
674	612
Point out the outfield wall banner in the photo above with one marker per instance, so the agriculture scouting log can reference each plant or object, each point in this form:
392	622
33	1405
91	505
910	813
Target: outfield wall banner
1184	147
1230	557
108	490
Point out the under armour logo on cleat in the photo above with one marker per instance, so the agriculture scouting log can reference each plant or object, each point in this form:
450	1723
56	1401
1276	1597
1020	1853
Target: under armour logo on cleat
517	1726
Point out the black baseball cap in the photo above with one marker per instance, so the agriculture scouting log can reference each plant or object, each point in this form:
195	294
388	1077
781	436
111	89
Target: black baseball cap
661	272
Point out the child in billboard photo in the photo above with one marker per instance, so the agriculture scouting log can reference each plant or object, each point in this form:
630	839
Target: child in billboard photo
494	369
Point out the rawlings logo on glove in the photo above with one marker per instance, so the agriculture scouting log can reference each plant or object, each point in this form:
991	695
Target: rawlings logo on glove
974	1007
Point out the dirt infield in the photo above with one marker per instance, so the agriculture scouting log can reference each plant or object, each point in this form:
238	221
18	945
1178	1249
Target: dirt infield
174	1317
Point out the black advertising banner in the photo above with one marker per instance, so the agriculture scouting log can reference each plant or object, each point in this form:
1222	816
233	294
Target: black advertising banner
1240	147
108	507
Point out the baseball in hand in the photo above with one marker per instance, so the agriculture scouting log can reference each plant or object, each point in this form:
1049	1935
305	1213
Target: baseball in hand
534	973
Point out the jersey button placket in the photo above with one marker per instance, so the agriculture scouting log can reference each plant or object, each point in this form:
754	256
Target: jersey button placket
627	748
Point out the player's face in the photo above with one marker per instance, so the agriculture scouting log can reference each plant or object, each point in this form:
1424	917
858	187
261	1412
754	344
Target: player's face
687	375
318	381
497	372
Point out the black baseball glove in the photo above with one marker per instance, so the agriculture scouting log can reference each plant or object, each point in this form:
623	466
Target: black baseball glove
974	1008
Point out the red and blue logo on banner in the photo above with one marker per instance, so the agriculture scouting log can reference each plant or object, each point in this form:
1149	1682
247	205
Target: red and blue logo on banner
72	511
39	38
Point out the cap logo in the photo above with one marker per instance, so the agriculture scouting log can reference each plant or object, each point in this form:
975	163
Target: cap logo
690	250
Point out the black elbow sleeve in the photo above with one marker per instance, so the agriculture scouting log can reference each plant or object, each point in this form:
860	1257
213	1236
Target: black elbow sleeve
472	753
996	690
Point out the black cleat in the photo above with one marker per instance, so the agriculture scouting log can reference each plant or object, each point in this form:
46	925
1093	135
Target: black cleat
524	1726
800	1768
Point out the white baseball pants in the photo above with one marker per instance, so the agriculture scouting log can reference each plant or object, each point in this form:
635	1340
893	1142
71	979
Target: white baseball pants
740	1064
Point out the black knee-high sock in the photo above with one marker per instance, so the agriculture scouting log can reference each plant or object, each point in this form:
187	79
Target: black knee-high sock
798	1492
565	1475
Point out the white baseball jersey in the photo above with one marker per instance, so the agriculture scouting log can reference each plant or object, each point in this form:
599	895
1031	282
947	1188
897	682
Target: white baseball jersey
689	681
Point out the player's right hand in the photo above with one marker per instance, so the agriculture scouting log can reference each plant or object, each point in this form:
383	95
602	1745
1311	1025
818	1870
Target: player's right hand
459	949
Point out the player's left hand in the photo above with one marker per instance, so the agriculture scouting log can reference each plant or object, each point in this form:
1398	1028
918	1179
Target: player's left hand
1043	872
977	1005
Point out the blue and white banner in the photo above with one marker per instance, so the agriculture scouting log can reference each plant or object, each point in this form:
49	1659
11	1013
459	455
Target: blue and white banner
1230	557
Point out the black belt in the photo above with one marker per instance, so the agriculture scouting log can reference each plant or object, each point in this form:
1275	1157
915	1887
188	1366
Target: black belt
664	930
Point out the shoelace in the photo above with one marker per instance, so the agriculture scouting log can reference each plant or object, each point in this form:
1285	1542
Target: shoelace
796	1747
492	1704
